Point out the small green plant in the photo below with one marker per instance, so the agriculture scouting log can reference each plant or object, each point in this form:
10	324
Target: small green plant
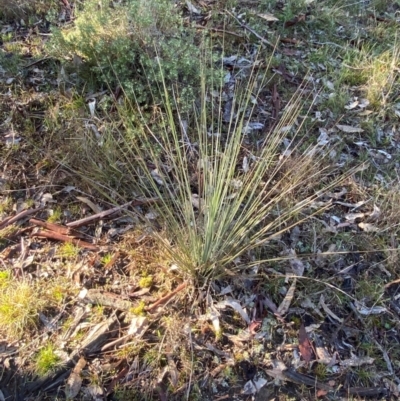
5	277
68	250
106	258
46	360
55	215
138	310
19	307
145	282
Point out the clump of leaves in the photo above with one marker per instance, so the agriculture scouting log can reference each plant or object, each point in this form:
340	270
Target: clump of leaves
19	307
46	360
124	45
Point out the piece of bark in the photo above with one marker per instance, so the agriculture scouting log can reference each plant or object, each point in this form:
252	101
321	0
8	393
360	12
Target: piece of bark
108	299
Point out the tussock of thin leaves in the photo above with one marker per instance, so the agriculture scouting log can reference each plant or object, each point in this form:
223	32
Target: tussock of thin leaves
218	196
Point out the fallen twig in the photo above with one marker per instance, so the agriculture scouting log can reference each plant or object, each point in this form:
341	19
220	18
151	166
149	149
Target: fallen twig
166	297
51	226
105	213
263	40
65	238
6	222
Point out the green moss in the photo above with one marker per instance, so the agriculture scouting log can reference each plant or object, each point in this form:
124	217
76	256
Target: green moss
138	310
46	360
146	282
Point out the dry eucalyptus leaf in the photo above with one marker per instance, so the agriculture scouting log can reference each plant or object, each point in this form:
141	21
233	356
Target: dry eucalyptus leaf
368	228
285	305
74	382
88	202
235	305
349	129
268	17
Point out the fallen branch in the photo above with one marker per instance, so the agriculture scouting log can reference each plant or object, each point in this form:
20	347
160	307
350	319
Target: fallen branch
57	228
65	238
166	297
105	213
10	220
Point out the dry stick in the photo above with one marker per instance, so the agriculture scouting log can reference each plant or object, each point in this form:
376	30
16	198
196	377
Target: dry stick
51	226
263	40
100	215
166	297
218	30
6	222
65	238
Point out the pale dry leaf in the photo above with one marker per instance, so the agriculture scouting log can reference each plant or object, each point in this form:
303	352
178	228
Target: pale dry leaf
368	228
356	361
92	106
327	310
363	103
348	129
254	386
352	105
138	326
285	304
277	370
351	217
374	310
214	317
192	8
88	202
375	214
245	164
157	177
268	17
74	382
236	306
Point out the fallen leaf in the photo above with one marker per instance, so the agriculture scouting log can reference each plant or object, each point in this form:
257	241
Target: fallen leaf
368	228
268	17
304	344
138	326
374	310
355	361
74	382
253	386
235	305
88	202
277	370
285	304
327	310
349	129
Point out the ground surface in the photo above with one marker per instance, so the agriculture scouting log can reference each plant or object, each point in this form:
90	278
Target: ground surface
104	316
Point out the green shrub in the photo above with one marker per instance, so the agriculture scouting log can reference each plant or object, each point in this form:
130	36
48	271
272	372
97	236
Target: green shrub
25	8
138	45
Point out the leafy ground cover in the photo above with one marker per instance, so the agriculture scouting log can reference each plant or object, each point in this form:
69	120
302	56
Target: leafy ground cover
199	200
